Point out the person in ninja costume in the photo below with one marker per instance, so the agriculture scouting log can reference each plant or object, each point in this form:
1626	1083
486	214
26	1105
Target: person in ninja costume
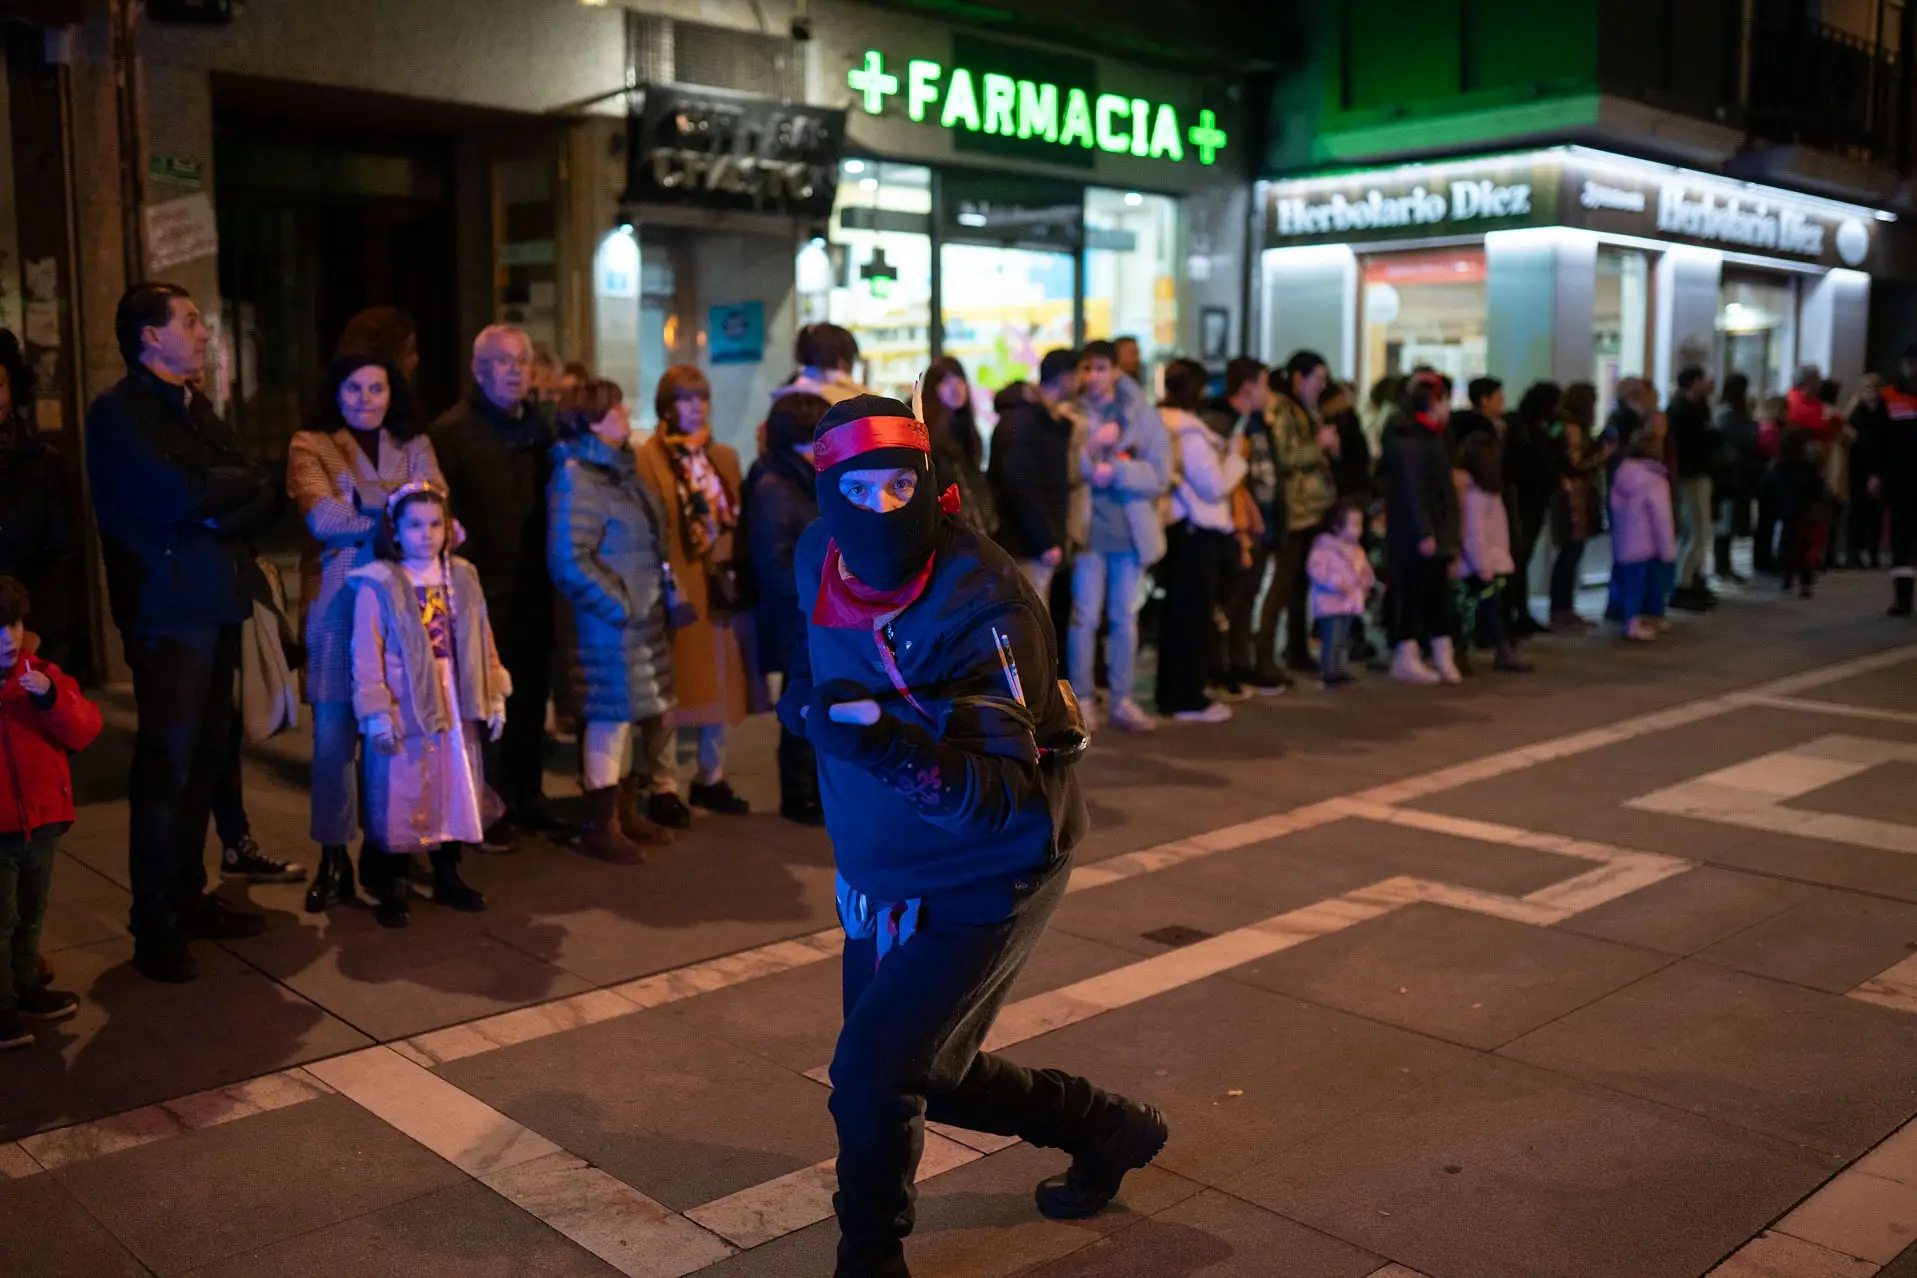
929	688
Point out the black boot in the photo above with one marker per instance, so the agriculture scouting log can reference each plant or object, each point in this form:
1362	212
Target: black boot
876	1260
394	890
448	888
1096	1171
718	797
1901	601
799	781
332	882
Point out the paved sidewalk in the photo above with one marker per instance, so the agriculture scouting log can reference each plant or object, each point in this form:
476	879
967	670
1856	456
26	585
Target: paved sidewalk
1615	997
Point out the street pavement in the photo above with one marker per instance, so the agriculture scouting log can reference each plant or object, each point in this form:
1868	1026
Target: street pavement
1609	970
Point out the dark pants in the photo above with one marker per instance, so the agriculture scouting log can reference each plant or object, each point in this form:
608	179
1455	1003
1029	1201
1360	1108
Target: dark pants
1297	599
1565	571
26	880
183	695
229	799
1421	598
1764	534
798	772
1866	534
1252	641
516	764
1802	550
1488	624
1334	643
1525	530
909	1052
1195	559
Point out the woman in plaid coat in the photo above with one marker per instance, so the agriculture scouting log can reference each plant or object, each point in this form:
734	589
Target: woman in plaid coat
366	441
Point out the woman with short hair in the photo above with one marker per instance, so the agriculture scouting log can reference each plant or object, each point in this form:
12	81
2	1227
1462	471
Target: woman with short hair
605	551
696	481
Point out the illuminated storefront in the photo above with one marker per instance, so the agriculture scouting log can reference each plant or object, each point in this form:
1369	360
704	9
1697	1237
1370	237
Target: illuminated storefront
1566	263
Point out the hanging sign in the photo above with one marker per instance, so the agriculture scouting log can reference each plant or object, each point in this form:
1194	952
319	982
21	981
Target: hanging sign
733	151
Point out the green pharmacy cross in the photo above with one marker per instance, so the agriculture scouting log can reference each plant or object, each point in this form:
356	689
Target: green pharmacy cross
1207	137
988	102
872	82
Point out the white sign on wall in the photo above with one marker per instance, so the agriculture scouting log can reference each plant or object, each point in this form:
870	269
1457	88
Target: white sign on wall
179	231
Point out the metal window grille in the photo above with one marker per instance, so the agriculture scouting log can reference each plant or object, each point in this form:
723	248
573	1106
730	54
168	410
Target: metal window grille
668	51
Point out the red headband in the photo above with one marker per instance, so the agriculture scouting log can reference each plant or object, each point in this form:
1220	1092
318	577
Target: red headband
848	439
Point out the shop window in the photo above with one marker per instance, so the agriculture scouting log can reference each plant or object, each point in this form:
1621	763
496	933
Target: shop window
873	274
1620	319
1423	309
1130	277
1756	332
1004	308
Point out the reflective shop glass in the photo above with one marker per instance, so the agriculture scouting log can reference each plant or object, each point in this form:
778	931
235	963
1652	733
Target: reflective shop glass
1620	319
1756	329
1423	309
873	273
1131	274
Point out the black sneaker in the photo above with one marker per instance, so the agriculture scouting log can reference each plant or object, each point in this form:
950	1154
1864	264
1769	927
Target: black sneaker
718	797
1097	1172
879	1260
43	1004
214	920
669	810
534	817
245	861
498	839
14	1031
803	812
164	958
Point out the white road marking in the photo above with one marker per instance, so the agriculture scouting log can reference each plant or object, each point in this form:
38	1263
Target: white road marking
799	1199
629	1231
66	1145
1780	1256
1831	708
1752	794
16	1163
1894	987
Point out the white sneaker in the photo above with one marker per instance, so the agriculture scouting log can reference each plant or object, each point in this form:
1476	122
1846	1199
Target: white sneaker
1408	665
1127	716
1216	712
1445	659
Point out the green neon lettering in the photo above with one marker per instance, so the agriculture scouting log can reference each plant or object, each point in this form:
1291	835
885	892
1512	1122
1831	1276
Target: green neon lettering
1001	96
961	104
1078	119
1111	137
1165	140
1038	110
922	86
1141	116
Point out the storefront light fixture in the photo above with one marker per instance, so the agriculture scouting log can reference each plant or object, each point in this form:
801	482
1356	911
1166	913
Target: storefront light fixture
868	184
1133	199
855	166
989	102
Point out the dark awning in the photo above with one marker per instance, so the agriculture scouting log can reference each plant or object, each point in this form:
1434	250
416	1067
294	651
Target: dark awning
43	13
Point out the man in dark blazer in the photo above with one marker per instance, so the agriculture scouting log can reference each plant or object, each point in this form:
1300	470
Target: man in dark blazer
177	505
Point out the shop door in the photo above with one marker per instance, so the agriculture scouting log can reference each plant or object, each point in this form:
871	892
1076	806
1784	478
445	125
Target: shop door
1009	277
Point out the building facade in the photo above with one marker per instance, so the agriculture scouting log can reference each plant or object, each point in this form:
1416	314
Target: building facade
1585	191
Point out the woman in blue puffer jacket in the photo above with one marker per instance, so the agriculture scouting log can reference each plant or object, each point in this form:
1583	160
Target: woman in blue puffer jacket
605	551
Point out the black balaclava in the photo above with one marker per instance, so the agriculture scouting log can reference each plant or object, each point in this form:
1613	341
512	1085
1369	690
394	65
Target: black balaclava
884	551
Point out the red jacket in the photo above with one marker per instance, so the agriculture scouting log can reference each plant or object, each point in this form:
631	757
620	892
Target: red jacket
1811	413
36	785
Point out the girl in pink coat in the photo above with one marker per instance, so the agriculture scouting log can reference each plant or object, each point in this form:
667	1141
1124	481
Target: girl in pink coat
1341	581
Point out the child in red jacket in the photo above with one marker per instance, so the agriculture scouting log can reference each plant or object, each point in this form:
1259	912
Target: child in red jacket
43	716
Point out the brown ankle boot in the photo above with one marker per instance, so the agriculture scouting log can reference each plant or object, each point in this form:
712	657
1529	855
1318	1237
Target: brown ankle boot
602	837
639	827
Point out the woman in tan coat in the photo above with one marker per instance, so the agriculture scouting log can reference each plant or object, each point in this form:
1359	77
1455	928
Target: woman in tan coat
366	442
696	482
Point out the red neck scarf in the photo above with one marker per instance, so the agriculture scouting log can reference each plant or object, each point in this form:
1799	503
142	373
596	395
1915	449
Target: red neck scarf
845	603
1424	419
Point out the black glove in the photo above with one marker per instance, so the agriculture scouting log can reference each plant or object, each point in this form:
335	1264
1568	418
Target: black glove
852	742
792	703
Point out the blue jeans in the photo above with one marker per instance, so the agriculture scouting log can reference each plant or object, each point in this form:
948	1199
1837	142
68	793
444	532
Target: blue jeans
1643	588
1334	640
1108	583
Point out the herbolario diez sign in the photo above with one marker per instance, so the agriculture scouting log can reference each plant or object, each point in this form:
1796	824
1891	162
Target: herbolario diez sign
717	149
1566	188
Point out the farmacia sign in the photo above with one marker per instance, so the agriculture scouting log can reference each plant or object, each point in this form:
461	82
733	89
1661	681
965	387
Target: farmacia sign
988	102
